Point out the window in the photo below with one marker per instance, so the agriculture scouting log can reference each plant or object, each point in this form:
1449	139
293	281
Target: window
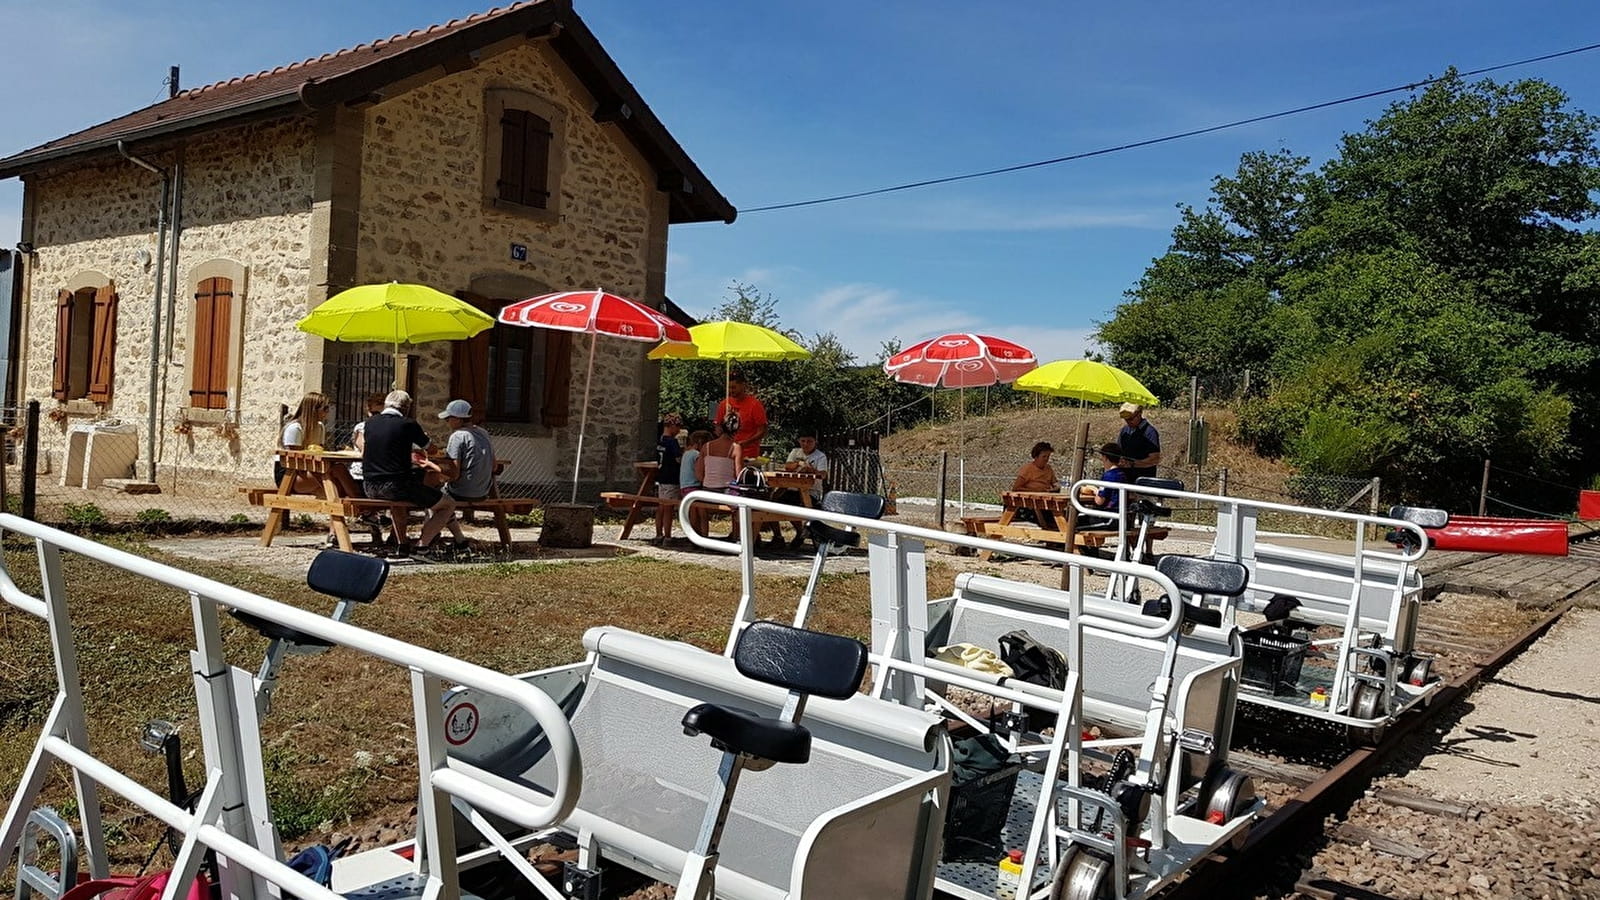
86	342
524	138
213	330
511	373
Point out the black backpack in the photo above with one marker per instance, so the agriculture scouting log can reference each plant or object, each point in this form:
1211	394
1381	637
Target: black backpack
1032	661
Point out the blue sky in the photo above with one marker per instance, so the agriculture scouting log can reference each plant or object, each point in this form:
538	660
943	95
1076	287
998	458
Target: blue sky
785	101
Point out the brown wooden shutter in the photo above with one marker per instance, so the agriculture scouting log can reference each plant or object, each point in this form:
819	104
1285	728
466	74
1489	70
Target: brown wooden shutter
557	378
60	381
513	124
536	161
213	329
469	363
102	362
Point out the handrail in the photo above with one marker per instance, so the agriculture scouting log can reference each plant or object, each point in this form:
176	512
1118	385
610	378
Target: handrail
556	728
1222	499
745	505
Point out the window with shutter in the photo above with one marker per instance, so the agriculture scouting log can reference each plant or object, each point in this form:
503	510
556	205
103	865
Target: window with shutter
523	157
213	328
102	365
501	371
61	377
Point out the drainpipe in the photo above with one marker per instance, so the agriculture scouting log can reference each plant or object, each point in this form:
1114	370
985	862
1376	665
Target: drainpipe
155	307
175	216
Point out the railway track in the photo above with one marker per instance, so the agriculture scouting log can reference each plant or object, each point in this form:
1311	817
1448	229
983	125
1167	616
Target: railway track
1302	794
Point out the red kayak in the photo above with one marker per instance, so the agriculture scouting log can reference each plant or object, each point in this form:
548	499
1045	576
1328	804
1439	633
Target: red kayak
1480	534
1487	534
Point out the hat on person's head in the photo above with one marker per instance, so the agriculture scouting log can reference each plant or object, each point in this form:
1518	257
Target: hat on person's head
672	419
457	409
1130	409
1111	451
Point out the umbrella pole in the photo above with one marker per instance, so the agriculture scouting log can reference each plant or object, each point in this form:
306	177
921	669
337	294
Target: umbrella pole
583	417
961	478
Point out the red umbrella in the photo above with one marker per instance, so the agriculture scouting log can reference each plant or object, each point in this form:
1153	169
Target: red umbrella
961	361
593	313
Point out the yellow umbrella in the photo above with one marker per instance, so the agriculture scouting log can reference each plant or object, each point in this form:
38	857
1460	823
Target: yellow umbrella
1086	381
395	314
729	341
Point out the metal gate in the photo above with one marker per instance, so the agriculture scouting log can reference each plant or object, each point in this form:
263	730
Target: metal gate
347	381
853	462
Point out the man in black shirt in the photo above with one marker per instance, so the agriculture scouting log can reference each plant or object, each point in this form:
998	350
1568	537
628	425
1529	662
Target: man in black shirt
1140	443
387	469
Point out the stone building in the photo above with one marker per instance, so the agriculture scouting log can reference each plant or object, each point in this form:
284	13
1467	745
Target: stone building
494	157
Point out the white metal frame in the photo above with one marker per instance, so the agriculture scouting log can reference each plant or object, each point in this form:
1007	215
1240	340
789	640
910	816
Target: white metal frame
232	817
899	623
1235	539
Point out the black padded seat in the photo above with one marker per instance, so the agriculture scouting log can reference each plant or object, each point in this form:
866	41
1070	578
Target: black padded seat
1151	506
806	662
277	631
740	731
1216	577
348	576
866	506
1421	516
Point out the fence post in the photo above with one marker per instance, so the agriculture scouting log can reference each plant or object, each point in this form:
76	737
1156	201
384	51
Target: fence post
30	462
944	470
1372	505
1483	491
1222	482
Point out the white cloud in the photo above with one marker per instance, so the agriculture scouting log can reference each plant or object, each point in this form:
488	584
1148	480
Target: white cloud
863	316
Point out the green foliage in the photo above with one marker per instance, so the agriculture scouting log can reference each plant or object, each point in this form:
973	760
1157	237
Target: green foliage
304	521
462	609
83	515
153	518
238	519
530	519
828	392
1422	301
298	808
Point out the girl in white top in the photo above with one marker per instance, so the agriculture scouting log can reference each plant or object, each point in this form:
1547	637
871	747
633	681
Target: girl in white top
719	460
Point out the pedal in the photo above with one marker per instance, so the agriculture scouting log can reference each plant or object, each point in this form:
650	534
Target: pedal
579	883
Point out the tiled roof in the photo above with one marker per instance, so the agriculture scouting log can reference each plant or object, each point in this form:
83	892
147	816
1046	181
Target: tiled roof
360	71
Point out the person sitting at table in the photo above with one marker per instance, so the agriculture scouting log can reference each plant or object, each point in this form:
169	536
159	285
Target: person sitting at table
389	474
720	461
669	475
689	469
1106	499
470	449
1036	475
806	459
305	428
358	433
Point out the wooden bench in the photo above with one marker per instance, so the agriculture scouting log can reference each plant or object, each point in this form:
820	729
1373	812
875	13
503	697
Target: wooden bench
255	494
498	507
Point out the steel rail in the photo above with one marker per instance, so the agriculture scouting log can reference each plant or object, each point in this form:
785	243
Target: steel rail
1301	817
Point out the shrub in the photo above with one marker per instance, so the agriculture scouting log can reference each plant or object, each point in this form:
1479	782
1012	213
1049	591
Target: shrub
299	808
238	519
153	518
84	515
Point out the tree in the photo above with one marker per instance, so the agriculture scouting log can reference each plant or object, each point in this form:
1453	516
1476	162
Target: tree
1426	299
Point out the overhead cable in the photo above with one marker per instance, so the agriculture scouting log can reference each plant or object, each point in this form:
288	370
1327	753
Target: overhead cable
1163	139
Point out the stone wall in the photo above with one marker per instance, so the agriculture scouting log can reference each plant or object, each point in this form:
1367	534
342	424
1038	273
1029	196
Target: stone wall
246	200
424	218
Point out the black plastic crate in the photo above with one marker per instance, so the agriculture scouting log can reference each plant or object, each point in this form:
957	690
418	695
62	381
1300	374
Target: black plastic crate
978	811
1272	660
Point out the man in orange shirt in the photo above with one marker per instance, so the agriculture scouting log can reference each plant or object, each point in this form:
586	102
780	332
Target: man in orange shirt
743	416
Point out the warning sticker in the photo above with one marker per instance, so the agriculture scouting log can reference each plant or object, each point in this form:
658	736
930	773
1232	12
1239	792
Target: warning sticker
461	724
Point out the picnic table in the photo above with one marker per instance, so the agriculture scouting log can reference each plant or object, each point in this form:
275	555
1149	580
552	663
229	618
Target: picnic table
1059	506
642	503
337	496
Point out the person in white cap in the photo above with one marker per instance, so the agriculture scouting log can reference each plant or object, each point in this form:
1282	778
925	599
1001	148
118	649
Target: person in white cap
1140	442
469	447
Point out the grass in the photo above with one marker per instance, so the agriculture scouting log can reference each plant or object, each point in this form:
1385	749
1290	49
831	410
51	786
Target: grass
339	741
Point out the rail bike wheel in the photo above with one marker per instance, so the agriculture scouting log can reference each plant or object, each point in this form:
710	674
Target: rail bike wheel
1367	704
1082	876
